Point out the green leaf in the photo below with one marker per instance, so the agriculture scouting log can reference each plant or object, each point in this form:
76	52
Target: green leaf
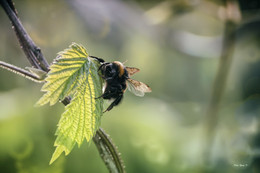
74	74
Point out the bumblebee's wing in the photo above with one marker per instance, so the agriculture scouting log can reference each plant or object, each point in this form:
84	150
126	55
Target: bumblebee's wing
138	88
132	70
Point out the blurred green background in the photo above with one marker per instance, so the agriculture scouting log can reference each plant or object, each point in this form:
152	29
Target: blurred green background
177	45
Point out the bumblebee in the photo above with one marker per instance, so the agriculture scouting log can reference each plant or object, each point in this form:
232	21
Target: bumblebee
117	79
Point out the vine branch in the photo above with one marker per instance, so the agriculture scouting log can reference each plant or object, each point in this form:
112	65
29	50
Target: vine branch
32	52
108	151
106	148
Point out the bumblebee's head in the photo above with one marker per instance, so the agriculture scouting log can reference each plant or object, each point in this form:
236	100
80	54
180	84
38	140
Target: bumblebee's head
107	70
112	69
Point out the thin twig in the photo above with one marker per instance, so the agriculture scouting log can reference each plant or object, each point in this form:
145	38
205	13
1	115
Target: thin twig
219	85
106	148
20	71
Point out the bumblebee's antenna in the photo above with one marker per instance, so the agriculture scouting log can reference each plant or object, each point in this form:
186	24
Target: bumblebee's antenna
124	62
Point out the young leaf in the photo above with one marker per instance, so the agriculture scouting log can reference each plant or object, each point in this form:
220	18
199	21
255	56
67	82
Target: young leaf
74	74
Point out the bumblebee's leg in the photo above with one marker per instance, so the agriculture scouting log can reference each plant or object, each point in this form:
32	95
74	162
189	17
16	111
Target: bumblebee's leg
102	62
106	95
110	92
99	59
102	65
114	103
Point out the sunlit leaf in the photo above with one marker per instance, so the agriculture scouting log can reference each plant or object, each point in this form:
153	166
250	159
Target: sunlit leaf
74	74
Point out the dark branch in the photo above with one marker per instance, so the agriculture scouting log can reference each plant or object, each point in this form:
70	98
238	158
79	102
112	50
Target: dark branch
32	52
